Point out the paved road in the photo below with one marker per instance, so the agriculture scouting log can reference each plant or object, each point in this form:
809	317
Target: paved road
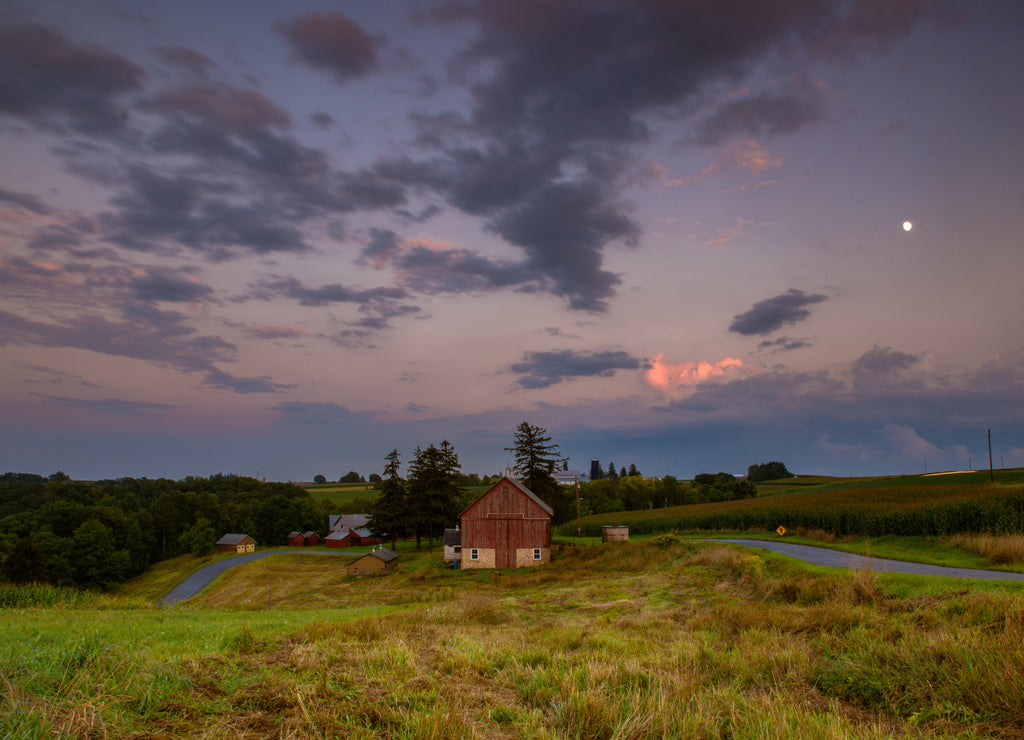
837	559
205	575
809	554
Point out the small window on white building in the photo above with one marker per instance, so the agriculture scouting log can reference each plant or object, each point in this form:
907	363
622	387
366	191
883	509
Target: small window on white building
474	554
458	548
536	553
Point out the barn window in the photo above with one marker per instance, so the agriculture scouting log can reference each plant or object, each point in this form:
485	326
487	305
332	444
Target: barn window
474	554
458	548
536	553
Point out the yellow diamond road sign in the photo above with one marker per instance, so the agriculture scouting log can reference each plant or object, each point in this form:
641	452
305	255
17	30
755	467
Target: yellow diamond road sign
781	531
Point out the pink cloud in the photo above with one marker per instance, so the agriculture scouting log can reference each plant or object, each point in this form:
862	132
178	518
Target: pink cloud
723	236
428	242
678	379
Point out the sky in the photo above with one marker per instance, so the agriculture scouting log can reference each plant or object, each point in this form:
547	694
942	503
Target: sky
282	240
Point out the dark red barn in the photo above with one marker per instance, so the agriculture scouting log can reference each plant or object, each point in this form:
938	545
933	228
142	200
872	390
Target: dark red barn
507	527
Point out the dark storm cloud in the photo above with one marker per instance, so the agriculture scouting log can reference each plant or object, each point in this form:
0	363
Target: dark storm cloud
376	306
762	116
366	190
196	64
165	284
852	27
49	80
382	247
586	68
327	294
241	110
883	361
562	227
772	313
459	271
263	384
784	344
323	120
781	394
542	369
881	366
24	200
144	333
274	332
426	214
561	92
154	208
332	43
56	237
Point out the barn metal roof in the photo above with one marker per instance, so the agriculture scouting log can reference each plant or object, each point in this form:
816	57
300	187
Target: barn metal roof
453	536
353	521
384	554
232	539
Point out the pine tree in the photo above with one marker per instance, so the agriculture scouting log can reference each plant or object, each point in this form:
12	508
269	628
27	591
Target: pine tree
389	514
535	461
433	491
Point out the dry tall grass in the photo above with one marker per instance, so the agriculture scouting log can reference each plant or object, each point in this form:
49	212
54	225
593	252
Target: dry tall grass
1007	549
621	641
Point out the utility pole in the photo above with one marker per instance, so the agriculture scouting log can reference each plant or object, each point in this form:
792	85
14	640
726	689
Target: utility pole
991	475
576	481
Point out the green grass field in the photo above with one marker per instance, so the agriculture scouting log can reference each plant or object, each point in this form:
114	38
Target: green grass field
340	494
626	640
663	636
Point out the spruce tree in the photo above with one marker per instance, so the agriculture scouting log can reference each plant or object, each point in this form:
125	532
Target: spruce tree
535	461
389	514
433	491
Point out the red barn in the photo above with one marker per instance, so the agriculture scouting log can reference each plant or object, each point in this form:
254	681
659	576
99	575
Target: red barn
507	527
296	539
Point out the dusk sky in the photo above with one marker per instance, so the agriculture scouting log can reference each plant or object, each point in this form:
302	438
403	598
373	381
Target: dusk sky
283	239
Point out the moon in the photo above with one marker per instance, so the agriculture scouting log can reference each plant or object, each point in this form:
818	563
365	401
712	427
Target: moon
907	225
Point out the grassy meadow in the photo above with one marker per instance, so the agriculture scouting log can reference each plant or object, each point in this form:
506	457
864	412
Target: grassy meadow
340	494
646	639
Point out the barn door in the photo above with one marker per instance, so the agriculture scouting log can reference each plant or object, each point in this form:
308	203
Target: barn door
502	557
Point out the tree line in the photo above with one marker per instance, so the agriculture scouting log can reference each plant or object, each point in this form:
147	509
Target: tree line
95	535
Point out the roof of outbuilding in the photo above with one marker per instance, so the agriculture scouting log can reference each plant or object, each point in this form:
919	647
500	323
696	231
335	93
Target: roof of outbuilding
341	521
453	537
294	534
384	554
232	539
